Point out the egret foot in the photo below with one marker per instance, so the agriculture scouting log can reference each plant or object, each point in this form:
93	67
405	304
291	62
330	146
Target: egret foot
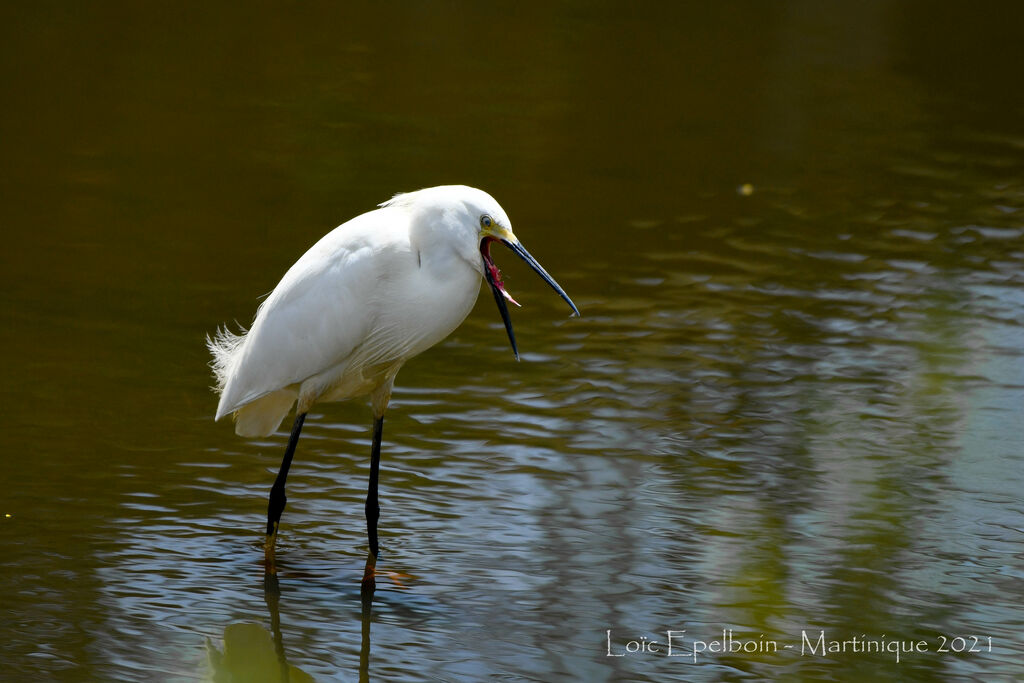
271	540
275	506
370	574
270	552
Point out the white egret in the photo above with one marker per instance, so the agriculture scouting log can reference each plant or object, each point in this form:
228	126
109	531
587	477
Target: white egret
367	297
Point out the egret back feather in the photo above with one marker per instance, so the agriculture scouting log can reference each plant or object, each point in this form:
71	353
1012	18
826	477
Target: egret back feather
224	347
365	298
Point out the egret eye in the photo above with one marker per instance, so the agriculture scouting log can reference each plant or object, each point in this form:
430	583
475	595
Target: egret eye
485	221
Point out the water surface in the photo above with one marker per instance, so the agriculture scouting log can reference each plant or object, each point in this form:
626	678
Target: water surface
792	404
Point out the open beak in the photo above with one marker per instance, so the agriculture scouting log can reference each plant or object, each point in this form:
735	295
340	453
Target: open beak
493	276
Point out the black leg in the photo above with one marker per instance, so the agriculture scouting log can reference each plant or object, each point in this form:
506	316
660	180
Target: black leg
372	507
277	497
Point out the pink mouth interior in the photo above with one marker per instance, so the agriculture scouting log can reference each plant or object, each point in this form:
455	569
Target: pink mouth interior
485	251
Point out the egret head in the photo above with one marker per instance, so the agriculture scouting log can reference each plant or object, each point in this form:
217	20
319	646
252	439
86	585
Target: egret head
470	216
494	227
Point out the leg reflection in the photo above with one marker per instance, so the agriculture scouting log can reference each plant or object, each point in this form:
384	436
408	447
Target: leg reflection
252	654
272	596
368	587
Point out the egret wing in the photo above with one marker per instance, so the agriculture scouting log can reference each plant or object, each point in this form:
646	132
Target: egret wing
322	309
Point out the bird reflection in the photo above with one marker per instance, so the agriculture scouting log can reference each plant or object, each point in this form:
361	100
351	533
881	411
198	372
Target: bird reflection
253	655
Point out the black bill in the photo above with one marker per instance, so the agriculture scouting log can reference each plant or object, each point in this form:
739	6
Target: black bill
493	276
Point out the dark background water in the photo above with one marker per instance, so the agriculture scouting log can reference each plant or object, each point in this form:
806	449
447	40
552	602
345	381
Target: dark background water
792	404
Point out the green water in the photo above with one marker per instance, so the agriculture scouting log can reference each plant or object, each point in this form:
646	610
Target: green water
792	404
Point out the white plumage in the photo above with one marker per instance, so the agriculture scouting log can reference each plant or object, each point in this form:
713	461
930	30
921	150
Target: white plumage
370	295
367	297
